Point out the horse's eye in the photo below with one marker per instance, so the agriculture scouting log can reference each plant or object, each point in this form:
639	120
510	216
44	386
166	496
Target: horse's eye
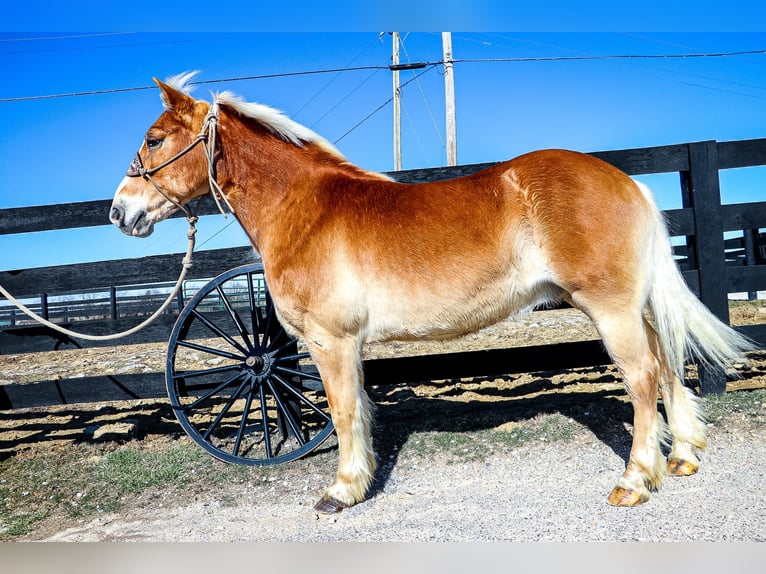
153	143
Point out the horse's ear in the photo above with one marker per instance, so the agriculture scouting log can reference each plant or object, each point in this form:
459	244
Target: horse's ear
175	101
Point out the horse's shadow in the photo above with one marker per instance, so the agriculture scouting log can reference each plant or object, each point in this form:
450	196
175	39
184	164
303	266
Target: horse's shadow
401	413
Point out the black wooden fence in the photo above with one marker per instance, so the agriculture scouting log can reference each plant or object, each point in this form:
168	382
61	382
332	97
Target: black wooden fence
711	266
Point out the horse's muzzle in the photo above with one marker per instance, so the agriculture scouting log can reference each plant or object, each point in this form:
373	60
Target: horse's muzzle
134	222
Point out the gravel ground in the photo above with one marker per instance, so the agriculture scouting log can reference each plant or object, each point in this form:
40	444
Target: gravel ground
543	492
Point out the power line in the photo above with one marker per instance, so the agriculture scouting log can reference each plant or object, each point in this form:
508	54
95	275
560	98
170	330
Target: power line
419	65
65	37
611	57
197	83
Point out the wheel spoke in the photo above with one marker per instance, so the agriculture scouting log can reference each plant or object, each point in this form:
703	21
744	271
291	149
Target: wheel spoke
254	311
286	346
203	372
297	373
298	395
210	350
215	329
296	357
277	337
230	403
267	327
243	422
212	392
266	431
285	411
236	318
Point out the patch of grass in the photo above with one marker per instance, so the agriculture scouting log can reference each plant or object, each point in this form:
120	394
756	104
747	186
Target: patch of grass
80	481
748	406
131	471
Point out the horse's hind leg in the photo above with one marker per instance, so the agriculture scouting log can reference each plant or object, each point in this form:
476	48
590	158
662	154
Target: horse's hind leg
622	330
684	413
339	362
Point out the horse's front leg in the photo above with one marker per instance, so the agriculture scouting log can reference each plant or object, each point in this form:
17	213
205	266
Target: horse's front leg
338	359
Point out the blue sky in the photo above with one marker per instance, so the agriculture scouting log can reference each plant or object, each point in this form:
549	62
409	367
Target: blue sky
77	148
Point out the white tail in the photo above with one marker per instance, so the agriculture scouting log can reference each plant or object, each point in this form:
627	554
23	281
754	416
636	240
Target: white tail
686	327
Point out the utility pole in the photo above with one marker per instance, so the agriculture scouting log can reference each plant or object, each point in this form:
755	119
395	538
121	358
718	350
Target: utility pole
397	106
449	97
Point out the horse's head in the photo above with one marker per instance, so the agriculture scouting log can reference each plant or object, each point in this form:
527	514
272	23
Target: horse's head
170	169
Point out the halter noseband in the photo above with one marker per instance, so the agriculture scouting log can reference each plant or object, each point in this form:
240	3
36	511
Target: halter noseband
207	138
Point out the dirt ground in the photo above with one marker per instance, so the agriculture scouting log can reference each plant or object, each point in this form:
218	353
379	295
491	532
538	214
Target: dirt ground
434	406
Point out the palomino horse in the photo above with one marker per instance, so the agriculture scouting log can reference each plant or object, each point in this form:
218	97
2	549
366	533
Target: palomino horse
351	256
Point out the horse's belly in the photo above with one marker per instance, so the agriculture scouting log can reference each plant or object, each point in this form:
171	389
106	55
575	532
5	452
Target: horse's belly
434	313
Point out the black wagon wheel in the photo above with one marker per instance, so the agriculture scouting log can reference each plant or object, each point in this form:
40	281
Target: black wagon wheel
236	380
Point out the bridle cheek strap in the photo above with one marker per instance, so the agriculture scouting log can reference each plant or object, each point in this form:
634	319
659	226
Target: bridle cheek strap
207	138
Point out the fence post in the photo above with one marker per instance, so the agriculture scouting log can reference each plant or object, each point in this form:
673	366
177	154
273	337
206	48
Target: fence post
701	191
113	302
44	305
749	241
179	301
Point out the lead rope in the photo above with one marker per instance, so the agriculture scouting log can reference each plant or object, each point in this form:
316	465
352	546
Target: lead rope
208	143
187	263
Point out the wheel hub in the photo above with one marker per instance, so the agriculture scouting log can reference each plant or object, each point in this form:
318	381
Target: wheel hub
259	364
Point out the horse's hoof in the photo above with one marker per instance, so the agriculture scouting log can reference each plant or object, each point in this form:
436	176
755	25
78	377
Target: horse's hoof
626	497
329	505
681	467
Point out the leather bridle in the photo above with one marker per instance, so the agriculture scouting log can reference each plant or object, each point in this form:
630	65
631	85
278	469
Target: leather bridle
206	137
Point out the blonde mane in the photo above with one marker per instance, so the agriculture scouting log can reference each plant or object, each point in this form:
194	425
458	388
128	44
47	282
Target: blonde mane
276	122
272	119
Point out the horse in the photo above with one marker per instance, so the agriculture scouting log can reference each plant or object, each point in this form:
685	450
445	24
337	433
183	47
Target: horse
351	256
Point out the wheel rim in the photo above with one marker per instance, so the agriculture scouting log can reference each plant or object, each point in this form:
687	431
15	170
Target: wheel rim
236	380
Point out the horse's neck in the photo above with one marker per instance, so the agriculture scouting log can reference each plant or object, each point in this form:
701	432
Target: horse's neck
271	184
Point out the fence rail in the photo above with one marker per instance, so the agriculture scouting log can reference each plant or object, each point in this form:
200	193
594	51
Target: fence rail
711	265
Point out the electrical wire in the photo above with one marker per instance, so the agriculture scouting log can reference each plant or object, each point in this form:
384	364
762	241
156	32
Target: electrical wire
609	57
196	83
387	67
65	37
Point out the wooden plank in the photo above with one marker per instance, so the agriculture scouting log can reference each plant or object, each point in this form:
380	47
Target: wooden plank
437	173
82	390
151	269
661	159
736	216
156	268
72	215
407	370
746	278
679	221
744	153
692	278
485	363
36	339
755	332
641	161
50	217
